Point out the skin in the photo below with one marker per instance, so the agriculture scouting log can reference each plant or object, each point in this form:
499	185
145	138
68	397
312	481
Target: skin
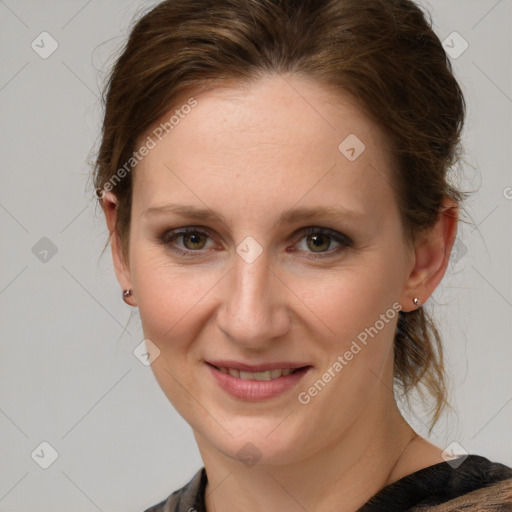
249	152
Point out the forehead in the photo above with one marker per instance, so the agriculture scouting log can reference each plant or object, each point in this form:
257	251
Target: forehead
278	139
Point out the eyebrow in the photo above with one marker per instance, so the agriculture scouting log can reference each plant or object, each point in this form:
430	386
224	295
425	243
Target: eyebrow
289	216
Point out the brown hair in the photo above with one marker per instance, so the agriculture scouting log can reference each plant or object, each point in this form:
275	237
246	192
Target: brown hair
383	53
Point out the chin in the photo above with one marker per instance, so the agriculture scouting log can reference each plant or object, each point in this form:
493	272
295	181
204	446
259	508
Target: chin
259	445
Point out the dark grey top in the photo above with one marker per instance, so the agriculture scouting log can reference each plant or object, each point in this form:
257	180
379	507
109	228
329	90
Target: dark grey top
421	490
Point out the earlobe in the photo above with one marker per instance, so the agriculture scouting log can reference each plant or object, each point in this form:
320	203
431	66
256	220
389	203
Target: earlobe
431	257
109	205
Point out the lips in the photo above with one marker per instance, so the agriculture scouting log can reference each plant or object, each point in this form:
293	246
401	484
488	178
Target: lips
260	376
235	365
255	382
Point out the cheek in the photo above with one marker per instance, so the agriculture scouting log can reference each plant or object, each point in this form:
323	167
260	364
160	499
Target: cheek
171	303
169	296
348	301
360	310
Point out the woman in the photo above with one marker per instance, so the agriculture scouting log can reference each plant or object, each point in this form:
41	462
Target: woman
274	176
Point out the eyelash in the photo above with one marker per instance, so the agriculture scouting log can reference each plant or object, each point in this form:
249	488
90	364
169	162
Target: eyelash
344	241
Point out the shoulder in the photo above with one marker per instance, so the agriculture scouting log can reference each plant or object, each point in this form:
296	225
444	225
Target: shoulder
190	498
475	483
495	497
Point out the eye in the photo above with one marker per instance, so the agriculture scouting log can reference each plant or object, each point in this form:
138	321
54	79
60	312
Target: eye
319	240
193	240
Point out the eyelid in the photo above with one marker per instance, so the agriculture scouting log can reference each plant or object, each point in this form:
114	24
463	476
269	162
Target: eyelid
336	235
172	234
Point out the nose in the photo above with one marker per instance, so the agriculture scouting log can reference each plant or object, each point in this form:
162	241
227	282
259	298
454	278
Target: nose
254	310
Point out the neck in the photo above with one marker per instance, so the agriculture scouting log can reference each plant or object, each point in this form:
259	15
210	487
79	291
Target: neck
340	477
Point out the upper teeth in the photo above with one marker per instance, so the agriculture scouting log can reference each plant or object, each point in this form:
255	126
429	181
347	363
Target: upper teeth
266	375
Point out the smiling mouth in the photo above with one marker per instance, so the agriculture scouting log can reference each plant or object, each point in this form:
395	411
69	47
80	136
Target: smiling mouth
257	386
259	376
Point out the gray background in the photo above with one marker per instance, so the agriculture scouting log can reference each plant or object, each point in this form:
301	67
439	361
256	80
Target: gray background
67	372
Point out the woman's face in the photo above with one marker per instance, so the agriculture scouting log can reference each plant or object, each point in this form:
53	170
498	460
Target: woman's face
260	281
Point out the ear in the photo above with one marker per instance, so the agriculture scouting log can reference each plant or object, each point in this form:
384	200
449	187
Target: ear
109	204
431	256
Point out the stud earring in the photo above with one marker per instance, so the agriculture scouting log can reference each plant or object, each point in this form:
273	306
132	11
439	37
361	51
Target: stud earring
416	301
126	294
